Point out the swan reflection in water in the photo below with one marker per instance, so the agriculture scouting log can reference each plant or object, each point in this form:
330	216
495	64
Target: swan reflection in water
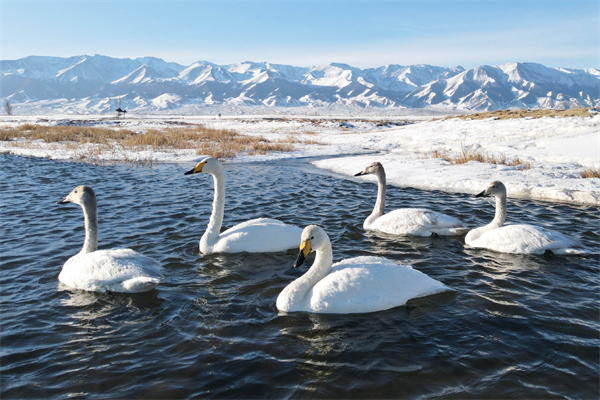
94	306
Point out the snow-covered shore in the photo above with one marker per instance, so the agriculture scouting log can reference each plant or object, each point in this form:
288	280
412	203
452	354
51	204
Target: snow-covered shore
558	149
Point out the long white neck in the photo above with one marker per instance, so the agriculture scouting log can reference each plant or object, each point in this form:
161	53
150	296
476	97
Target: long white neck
91	227
294	296
497	222
500	216
213	230
380	203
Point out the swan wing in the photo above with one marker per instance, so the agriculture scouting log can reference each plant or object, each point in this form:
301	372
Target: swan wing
366	284
418	222
261	235
118	270
527	239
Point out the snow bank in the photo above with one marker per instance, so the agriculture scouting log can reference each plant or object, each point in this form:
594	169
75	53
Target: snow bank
558	149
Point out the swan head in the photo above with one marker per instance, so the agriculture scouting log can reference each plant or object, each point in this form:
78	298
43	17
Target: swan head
82	195
209	165
373	168
496	189
313	238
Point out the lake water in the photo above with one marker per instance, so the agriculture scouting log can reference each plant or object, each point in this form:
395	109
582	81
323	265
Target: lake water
514	326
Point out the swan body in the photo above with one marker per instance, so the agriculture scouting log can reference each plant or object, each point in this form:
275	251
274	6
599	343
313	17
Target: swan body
261	235
357	285
116	270
416	222
407	221
517	239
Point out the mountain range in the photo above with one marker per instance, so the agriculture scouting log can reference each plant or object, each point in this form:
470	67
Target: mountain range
97	84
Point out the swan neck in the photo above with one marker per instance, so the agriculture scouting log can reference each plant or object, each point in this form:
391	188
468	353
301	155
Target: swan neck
497	222
379	208
500	216
318	270
91	227
213	230
294	296
322	264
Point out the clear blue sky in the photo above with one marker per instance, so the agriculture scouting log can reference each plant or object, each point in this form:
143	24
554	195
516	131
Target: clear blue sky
303	33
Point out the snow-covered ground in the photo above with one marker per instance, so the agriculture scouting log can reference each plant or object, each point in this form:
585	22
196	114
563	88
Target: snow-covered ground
559	149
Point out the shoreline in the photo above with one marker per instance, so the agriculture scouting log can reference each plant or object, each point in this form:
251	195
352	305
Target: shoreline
557	149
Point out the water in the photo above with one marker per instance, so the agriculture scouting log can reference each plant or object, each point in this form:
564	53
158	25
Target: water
514	327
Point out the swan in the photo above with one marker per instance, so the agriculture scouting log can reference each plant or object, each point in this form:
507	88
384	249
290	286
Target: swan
116	270
407	221
517	239
261	235
356	285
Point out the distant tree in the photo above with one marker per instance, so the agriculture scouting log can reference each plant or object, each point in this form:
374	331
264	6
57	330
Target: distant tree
8	108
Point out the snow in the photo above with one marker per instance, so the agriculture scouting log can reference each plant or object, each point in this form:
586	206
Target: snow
521	85
166	100
558	149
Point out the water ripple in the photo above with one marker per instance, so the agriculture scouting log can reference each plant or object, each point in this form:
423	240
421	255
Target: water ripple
513	326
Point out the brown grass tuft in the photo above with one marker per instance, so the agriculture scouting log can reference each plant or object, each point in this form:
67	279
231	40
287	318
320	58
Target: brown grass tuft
464	157
7	135
590	173
508	114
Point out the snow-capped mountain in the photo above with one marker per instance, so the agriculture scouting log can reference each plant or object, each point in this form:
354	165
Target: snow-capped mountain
518	85
94	83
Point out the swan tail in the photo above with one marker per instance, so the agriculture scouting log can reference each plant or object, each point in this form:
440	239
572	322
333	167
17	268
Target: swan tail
440	288
571	252
139	284
459	231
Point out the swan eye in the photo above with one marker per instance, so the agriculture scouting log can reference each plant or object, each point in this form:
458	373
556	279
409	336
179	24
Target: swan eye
312	237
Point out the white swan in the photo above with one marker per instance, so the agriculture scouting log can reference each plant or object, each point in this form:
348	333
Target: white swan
407	221
356	285
117	270
261	235
517	239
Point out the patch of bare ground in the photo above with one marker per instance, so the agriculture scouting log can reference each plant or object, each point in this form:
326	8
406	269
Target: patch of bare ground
512	114
590	173
94	144
478	155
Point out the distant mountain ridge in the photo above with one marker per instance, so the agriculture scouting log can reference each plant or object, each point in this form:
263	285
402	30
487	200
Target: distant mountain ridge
94	83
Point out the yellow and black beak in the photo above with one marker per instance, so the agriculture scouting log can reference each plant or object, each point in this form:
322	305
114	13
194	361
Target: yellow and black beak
305	249
482	194
196	169
63	201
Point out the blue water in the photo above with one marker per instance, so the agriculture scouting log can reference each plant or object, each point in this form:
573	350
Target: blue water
514	326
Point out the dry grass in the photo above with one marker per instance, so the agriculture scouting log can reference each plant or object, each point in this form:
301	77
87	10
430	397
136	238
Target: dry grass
508	114
293	138
91	143
590	173
71	133
464	157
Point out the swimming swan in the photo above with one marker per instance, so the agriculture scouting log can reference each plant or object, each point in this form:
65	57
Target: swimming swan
407	221
261	235
356	285
517	239
116	270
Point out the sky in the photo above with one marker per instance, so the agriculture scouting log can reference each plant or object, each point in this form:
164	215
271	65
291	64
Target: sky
363	34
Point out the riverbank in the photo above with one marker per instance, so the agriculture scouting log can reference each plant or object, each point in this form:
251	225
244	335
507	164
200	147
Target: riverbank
553	152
